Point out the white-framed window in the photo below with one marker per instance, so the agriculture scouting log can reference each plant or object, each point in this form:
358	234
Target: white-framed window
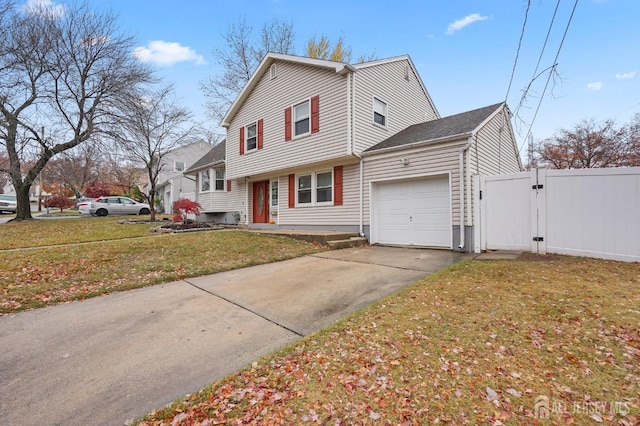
301	119
205	180
251	138
274	193
178	166
314	188
379	112
219	184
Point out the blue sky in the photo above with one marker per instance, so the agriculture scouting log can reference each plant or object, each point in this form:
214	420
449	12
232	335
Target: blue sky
464	49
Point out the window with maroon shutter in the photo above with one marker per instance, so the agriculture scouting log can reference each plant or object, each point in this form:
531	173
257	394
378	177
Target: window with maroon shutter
241	140
315	114
287	124
228	186
292	191
337	185
260	136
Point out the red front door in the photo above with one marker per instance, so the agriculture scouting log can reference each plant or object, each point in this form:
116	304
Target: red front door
261	202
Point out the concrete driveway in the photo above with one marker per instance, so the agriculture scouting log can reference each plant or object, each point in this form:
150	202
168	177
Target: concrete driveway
109	359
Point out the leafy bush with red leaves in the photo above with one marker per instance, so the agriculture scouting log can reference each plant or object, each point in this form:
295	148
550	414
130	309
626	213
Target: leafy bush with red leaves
59	202
97	189
183	207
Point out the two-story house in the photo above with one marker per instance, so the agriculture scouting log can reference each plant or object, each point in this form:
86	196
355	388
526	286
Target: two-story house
316	144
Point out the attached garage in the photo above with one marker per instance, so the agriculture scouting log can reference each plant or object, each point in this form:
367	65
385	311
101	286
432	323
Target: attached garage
413	212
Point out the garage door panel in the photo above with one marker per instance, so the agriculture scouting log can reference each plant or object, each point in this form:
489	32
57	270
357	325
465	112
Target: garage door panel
415	212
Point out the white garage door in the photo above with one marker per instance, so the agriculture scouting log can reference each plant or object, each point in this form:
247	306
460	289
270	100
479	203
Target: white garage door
412	212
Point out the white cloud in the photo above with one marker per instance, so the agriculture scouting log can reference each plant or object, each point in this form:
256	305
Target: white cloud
162	52
626	75
44	7
596	85
467	20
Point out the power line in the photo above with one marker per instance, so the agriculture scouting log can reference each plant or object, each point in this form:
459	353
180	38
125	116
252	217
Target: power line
534	75
555	62
515	63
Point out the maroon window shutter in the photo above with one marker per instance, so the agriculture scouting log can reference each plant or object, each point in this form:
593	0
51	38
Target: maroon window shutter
315	114
228	186
260	138
241	140
287	124
292	191
337	185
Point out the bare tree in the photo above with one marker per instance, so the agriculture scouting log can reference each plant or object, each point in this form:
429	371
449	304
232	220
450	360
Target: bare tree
148	129
240	56
75	168
62	70
632	142
588	145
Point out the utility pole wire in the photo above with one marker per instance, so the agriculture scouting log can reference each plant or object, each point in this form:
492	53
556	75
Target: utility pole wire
515	63
555	61
534	76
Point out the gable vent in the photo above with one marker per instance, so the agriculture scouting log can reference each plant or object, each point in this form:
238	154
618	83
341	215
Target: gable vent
273	71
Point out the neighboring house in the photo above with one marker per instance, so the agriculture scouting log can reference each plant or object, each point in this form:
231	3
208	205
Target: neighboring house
316	144
172	182
212	190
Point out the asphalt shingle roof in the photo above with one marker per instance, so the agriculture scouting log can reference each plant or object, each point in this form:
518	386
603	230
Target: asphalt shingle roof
437	129
216	154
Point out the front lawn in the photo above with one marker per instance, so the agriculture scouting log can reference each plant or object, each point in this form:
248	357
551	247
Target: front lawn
58	260
482	342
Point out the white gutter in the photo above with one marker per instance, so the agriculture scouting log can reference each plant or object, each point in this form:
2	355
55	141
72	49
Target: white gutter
246	201
462	196
352	142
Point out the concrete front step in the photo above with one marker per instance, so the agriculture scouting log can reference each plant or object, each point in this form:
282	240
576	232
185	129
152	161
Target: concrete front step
351	242
319	237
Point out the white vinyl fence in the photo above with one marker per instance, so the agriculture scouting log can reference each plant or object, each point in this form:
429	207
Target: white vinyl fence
585	212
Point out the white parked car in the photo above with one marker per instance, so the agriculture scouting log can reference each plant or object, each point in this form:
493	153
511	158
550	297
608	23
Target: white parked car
84	204
8	203
117	205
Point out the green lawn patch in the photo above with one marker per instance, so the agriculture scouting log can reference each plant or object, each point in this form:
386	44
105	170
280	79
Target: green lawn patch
89	257
493	343
47	232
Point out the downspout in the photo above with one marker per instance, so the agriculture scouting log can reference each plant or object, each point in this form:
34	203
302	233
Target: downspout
246	201
353	152
461	178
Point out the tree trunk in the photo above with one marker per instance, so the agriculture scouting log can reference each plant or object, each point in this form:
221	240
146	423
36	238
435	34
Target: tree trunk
152	204
23	211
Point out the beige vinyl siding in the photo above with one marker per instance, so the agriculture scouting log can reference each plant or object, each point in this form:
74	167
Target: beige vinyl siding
407	103
212	201
294	83
346	214
431	160
494	150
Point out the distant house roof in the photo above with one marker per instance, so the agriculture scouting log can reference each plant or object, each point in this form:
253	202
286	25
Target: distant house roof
435	131
215	156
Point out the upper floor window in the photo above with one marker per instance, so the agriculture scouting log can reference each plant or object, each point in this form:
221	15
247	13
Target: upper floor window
205	180
178	166
379	112
252	137
301	118
219	185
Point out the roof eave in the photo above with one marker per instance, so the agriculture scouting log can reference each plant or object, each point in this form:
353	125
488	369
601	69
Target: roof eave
193	170
419	144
